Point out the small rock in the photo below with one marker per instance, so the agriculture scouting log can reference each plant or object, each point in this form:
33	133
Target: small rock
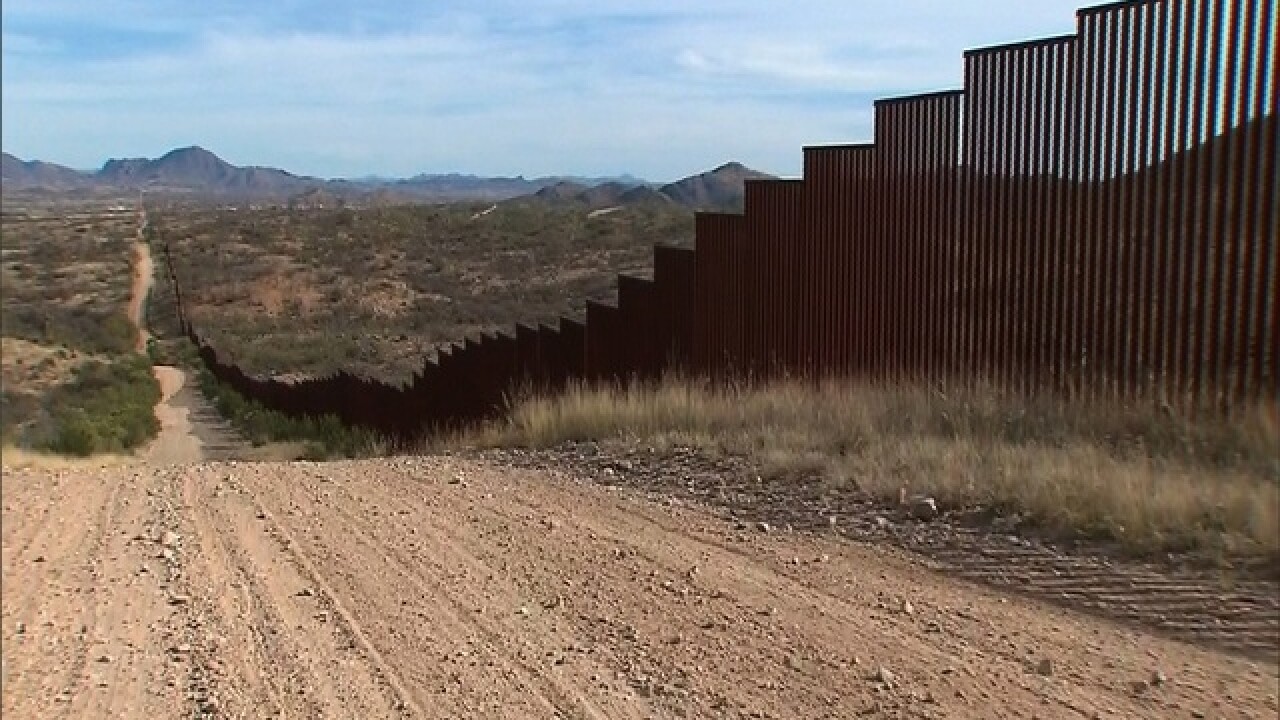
262	515
170	539
306	592
763	527
104	658
178	599
907	608
1045	667
924	508
1138	686
522	611
39	559
884	676
1158	678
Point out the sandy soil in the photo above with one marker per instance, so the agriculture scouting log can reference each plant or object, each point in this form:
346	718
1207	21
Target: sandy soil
177	441
446	587
140	288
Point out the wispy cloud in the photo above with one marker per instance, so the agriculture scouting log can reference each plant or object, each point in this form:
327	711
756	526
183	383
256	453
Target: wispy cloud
337	88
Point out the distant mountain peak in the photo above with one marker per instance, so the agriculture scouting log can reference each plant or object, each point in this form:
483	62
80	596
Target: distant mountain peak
16	172
718	189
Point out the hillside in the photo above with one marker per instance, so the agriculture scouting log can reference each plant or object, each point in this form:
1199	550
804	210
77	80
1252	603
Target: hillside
16	173
718	189
194	168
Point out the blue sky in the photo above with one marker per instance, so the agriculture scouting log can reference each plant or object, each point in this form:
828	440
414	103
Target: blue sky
657	88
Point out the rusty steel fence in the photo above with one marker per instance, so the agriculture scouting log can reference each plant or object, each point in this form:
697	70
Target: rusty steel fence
1094	214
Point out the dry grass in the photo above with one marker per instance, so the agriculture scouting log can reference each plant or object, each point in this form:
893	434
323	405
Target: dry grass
1147	480
15	457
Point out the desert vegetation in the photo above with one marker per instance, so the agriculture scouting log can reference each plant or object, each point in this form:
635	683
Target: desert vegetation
375	290
1144	481
324	438
72	383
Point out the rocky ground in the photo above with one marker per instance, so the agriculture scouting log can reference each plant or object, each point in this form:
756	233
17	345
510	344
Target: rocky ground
1235	609
467	587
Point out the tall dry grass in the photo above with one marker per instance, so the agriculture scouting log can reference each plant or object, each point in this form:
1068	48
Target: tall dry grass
1149	480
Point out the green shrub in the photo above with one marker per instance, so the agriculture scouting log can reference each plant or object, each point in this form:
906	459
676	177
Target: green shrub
325	436
79	328
107	407
76	435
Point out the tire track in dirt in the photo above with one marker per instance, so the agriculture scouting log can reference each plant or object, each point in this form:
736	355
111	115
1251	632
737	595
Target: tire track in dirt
434	560
722	611
1245	619
294	656
446	587
42	602
125	671
1242	616
91	573
646	535
79	626
228	622
22	533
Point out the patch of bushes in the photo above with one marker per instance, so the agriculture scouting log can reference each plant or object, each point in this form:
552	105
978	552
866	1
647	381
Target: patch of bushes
326	436
106	333
521	263
108	407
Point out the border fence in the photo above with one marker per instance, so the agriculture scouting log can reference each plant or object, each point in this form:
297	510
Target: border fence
1093	214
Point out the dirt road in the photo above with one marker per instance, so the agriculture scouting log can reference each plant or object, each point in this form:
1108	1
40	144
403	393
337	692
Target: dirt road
140	287
444	588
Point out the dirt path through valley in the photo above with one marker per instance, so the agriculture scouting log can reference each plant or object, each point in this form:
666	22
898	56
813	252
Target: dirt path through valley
177	441
190	430
452	588
140	288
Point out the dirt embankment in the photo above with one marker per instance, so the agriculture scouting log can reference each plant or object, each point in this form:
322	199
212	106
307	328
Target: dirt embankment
446	587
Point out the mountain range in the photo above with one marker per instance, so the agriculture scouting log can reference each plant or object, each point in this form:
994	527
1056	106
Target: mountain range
197	172
718	189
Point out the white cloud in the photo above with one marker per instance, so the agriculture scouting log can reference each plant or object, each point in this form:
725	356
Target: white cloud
564	86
